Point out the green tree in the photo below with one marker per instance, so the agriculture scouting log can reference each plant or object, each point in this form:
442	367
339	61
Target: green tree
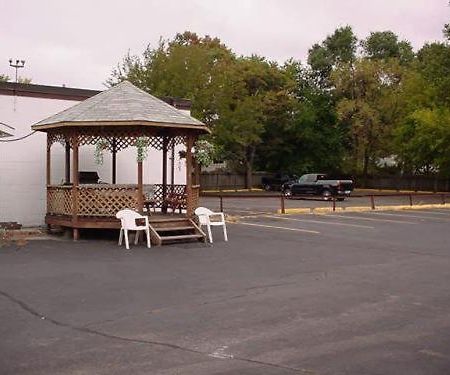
24	80
369	106
433	64
338	48
4	78
251	94
446	31
183	67
385	45
424	141
303	130
422	136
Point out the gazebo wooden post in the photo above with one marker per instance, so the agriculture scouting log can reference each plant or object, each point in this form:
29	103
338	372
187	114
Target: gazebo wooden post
114	160
75	181
164	172
196	172
189	202
172	167
67	162
140	191
49	162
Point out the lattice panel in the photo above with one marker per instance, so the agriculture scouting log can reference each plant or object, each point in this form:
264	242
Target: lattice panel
59	200
118	137
171	190
53	138
175	141
193	200
105	201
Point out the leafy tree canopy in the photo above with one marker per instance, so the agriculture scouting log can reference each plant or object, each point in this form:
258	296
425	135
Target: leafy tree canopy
385	45
343	110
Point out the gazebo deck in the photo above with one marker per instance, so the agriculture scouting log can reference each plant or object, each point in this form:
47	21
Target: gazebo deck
94	206
164	228
110	222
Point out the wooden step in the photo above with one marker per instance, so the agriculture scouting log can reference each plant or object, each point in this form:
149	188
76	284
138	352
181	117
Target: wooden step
175	230
182	237
171	229
164	220
168	224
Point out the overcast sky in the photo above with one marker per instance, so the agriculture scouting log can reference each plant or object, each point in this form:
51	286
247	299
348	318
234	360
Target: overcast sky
78	42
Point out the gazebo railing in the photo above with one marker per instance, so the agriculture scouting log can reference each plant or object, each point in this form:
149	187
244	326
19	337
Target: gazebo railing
106	200
59	200
91	200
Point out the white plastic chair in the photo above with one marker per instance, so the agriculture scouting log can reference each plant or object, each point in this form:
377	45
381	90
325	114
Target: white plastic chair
204	216
128	222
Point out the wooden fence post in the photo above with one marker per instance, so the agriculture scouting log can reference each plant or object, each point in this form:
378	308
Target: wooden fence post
372	202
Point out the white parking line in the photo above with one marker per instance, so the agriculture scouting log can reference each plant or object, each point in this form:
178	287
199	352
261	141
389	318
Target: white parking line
369	218
408	215
249	211
275	227
319	222
436	212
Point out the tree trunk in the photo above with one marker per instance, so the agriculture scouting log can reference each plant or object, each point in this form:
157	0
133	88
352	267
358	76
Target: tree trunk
248	175
249	158
365	166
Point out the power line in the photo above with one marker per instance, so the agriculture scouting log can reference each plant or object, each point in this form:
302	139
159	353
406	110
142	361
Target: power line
18	139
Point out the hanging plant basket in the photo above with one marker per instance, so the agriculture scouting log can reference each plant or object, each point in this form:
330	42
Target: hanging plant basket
142	148
100	146
204	153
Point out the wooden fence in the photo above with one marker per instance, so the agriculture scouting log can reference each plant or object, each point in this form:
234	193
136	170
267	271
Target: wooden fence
234	181
225	181
413	183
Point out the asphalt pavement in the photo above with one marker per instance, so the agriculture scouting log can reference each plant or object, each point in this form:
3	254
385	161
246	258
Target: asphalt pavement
347	293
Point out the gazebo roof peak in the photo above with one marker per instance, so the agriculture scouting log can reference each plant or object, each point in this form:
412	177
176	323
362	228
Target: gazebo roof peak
123	104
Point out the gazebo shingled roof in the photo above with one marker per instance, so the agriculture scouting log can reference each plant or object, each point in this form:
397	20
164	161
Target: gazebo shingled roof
123	104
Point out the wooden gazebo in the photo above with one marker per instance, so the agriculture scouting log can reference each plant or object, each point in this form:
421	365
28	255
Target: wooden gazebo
121	117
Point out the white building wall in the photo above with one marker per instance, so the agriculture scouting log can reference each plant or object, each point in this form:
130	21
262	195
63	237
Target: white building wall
23	163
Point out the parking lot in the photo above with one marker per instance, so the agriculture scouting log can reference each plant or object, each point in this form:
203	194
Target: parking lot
341	293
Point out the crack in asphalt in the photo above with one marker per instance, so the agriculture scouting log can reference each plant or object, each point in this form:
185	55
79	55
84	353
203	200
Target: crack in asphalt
249	291
24	306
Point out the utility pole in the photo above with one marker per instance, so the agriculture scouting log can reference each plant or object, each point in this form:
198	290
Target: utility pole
17	65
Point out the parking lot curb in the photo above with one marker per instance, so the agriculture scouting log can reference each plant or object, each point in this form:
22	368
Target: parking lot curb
324	210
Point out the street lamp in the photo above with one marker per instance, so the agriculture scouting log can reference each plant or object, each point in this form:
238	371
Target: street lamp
17	65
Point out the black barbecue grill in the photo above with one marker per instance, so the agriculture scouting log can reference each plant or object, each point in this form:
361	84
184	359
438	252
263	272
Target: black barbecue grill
88	177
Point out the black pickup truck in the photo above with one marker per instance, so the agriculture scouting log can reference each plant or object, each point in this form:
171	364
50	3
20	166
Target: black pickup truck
319	184
275	182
